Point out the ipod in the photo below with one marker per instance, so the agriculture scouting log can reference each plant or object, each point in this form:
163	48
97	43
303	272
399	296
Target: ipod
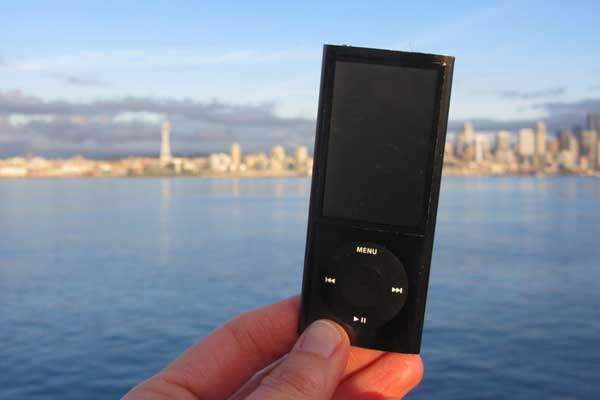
378	155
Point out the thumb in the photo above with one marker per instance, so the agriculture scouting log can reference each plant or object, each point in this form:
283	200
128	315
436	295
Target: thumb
313	368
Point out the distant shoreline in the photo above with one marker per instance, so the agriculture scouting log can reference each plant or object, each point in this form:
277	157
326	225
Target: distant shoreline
271	176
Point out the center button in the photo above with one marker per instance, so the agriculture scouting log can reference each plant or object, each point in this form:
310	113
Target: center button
361	285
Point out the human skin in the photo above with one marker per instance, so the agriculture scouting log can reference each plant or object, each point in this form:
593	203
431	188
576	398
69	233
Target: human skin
258	355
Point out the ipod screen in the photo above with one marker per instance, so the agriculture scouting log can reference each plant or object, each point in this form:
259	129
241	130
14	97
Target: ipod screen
380	136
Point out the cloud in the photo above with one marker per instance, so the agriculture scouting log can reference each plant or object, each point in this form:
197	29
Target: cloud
530	95
131	125
571	114
15	102
156	58
78	81
558	115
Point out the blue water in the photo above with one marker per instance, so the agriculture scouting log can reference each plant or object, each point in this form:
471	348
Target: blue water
103	282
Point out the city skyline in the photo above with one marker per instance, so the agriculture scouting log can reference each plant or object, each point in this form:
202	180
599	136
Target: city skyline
590	122
531	151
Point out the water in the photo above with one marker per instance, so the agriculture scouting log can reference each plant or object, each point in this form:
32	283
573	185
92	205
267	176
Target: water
103	282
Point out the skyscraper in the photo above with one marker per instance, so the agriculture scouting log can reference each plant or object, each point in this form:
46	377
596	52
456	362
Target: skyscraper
465	146
592	122
278	153
469	132
236	156
301	154
574	148
540	143
502	141
278	158
552	146
564	139
540	138
482	147
589	146
526	142
503	146
165	145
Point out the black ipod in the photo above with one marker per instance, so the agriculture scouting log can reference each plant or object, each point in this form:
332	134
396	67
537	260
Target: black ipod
378	155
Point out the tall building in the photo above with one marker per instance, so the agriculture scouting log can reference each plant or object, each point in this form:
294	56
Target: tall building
278	153
552	146
503	141
482	147
236	156
278	158
469	132
301	154
465	146
503	147
573	148
589	147
540	138
569	150
592	120
165	144
540	144
526	145
564	139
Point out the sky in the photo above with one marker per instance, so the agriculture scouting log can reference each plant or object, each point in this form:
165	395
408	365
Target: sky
96	78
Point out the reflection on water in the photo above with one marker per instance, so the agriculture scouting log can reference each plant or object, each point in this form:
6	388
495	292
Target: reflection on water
165	245
87	307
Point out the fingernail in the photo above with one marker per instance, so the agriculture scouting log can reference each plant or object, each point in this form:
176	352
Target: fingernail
321	338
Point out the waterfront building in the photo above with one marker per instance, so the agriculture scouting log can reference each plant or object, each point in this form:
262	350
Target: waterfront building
574	147
236	156
482	147
589	147
540	144
503	141
465	146
592	122
503	153
468	132
219	162
552	146
526	146
256	161
278	153
564	140
277	158
301	155
568	149
552	149
165	145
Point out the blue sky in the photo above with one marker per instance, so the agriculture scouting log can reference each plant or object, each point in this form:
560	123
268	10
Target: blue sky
515	61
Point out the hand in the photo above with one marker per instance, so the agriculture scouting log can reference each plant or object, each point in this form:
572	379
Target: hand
238	361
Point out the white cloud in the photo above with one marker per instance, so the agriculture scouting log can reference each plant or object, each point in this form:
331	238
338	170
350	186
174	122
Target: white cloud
155	58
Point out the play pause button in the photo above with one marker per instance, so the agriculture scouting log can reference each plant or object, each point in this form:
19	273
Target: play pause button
362	320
